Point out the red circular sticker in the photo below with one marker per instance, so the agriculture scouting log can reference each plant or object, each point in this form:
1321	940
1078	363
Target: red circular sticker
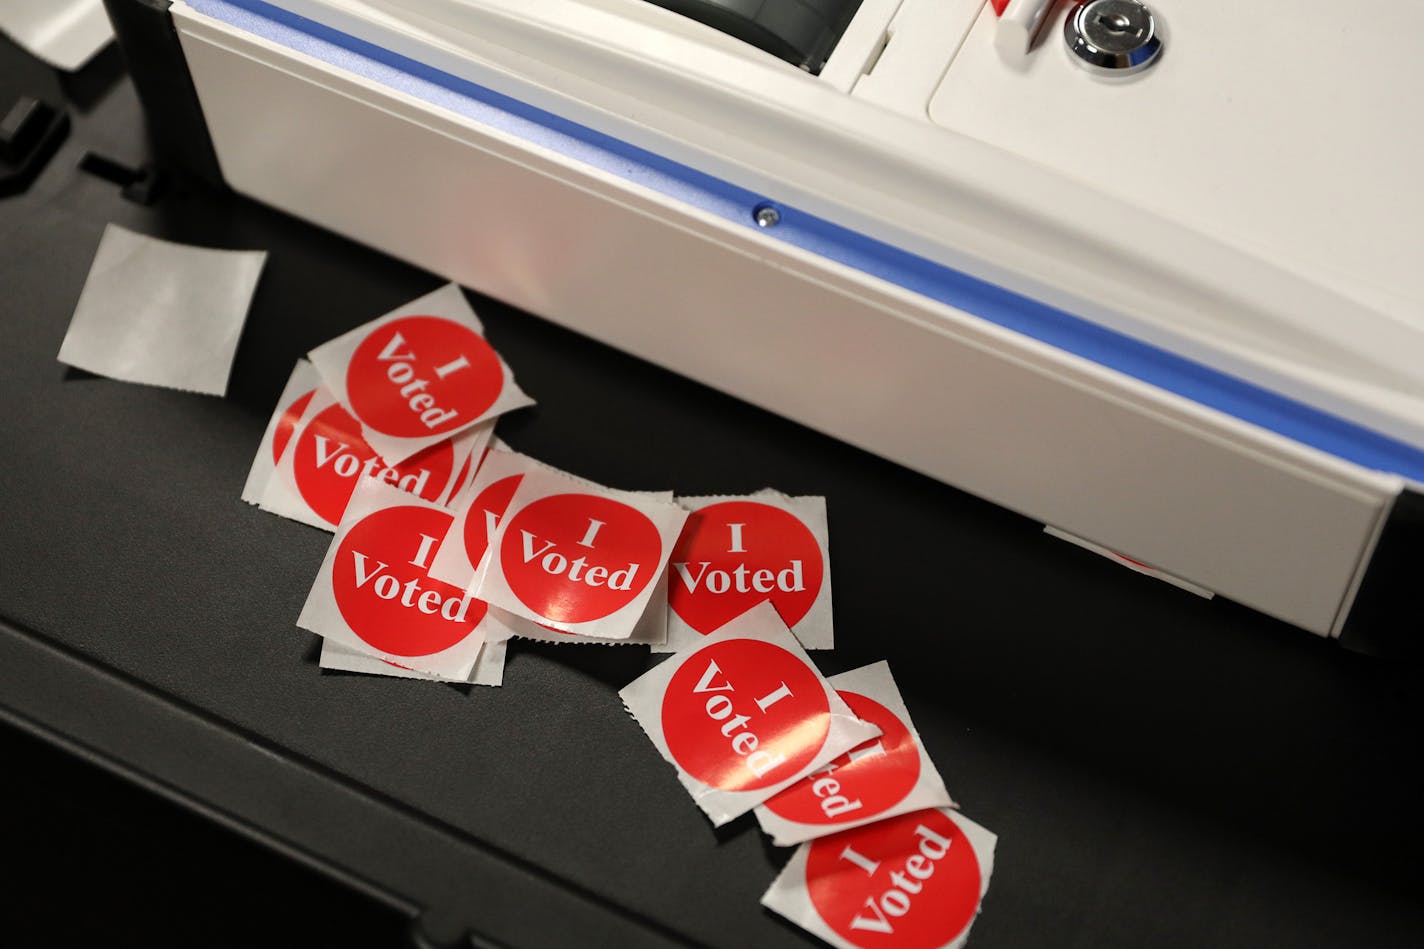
331	456
868	780
288	424
484	513
743	714
385	593
733	555
912	881
422	375
573	558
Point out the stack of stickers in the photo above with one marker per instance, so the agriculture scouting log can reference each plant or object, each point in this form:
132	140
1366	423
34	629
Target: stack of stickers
834	765
448	544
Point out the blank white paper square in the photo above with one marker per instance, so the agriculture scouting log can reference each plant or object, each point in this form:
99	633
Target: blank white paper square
160	313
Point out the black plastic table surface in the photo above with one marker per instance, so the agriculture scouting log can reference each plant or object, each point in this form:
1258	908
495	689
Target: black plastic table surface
1161	770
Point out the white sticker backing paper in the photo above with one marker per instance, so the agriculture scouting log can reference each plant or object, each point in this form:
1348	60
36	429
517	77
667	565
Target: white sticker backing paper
161	313
488	670
744	715
910	882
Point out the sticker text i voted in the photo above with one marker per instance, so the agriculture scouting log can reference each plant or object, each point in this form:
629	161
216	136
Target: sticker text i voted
575	558
385	593
911	881
400	371
388	587
744	741
345	463
423	375
331	457
577	569
741	715
734	554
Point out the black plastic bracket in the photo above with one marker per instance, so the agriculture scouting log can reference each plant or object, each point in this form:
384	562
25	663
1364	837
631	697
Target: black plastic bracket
143	185
30	132
159	71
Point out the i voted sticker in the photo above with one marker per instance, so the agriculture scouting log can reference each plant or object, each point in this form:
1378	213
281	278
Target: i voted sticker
889	775
477	516
382	585
915	881
869	882
325	457
574	556
736	552
743	715
374	592
872	778
421	375
417	375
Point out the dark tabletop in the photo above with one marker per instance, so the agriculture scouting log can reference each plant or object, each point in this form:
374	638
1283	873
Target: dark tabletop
1161	770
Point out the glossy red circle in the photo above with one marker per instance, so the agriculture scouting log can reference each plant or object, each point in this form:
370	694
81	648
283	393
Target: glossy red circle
380	591
782	698
851	879
331	456
712	553
410	354
878	781
545	539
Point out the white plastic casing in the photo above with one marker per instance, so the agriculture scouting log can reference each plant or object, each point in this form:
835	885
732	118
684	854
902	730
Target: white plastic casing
1190	491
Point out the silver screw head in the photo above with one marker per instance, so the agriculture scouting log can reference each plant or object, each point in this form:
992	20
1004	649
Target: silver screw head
766	215
1113	37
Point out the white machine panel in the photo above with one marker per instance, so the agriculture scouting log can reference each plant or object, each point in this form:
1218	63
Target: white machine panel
1200	495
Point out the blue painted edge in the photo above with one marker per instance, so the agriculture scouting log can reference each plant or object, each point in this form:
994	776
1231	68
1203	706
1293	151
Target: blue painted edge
1158	367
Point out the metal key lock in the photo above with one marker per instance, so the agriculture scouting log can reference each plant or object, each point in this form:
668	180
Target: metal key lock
1113	37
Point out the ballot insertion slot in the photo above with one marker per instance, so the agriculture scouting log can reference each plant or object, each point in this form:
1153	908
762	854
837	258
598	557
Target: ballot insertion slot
802	32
